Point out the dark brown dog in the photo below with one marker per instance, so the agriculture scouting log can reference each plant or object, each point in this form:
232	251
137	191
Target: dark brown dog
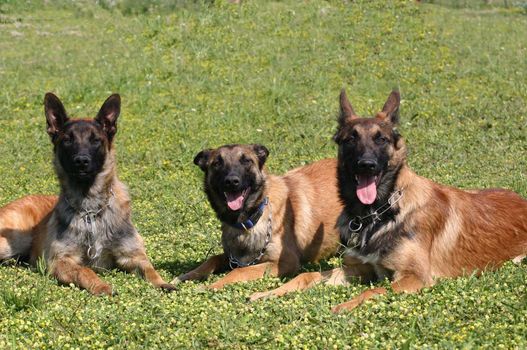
397	224
270	224
89	224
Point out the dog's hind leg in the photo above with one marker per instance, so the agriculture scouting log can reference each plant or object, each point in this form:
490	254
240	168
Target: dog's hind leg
15	231
5	249
215	264
18	222
14	243
518	260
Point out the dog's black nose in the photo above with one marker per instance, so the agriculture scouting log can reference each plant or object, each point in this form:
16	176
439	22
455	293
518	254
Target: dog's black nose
232	180
82	161
367	164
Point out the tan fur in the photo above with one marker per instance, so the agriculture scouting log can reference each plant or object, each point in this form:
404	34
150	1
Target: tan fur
450	232
18	223
305	207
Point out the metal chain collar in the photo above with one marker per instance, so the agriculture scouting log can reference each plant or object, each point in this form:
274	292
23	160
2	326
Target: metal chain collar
89	218
235	262
356	224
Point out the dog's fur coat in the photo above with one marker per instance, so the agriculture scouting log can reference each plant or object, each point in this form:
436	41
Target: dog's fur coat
430	231
304	205
89	224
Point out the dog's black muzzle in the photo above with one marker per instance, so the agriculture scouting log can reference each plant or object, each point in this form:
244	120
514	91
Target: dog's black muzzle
367	165
232	183
83	166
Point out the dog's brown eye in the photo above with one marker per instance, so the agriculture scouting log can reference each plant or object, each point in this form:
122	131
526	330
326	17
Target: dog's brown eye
217	162
96	141
245	161
381	140
352	138
66	141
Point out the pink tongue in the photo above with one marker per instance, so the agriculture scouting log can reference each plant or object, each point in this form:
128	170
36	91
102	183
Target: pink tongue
366	189
235	200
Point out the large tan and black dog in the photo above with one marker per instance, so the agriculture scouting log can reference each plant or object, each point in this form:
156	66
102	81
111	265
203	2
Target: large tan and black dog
397	224
270	224
89	224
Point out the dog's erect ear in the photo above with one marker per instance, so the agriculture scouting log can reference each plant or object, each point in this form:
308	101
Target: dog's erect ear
390	111
262	153
108	114
346	115
202	158
346	111
56	115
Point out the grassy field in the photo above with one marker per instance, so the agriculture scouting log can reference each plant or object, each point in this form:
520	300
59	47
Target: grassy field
201	74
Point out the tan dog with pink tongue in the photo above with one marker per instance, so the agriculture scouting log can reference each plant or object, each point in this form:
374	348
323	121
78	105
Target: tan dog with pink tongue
270	224
400	225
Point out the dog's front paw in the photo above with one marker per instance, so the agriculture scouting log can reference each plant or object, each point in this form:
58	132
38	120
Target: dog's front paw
103	289
167	287
214	286
175	281
260	295
347	306
184	277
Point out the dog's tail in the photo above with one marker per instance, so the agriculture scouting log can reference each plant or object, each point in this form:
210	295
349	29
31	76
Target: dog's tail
18	221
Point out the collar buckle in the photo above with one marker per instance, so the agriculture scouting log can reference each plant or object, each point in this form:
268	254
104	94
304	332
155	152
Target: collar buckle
247	225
